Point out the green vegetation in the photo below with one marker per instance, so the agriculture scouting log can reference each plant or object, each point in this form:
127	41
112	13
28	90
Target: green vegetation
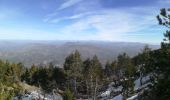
10	77
160	62
86	78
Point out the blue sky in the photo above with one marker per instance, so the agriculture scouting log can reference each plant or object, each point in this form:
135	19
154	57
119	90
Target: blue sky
105	20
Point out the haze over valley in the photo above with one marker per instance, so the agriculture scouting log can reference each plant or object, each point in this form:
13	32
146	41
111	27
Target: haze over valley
84	50
44	52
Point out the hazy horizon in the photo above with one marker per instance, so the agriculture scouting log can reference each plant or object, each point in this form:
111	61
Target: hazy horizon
107	41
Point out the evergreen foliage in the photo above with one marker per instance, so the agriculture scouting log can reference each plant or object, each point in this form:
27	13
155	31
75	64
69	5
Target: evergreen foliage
160	61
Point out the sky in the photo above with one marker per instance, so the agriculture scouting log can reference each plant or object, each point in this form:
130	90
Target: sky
103	20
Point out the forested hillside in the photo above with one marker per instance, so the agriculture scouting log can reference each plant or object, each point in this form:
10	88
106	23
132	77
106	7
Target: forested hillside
44	52
144	76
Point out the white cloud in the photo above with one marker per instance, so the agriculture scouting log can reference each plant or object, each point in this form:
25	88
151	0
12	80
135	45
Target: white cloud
68	3
111	24
80	10
121	24
56	20
164	1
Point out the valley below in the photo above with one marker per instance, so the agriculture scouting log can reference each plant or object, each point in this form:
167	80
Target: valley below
44	52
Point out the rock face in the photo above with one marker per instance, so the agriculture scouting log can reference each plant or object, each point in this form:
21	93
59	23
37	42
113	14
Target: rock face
35	95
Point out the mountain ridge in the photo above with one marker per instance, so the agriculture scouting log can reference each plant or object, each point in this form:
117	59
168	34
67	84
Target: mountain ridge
43	52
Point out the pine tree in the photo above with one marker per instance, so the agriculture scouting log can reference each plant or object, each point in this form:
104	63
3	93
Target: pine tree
93	76
108	69
73	67
27	76
19	70
86	74
68	95
160	62
128	85
122	62
142	62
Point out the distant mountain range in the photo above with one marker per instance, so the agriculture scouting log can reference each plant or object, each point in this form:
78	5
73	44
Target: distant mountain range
43	52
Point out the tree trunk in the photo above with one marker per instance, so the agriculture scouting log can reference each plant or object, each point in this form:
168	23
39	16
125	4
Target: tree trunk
95	90
75	86
87	89
91	85
141	79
